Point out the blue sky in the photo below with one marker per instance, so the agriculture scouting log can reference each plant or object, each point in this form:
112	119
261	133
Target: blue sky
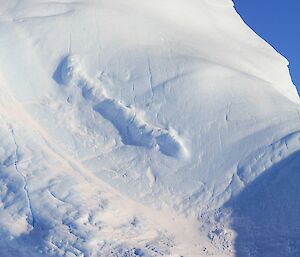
278	22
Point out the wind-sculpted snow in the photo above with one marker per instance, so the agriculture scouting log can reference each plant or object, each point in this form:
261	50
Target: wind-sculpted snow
137	128
126	119
78	214
264	159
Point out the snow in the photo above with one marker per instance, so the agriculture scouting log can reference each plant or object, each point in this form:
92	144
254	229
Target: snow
132	128
135	128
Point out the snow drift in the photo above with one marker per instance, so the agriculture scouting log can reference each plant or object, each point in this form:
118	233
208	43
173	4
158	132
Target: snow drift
131	128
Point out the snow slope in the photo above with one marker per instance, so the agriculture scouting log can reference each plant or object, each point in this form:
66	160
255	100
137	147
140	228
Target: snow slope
136	128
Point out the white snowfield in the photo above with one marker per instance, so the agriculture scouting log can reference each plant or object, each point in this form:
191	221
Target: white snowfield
144	128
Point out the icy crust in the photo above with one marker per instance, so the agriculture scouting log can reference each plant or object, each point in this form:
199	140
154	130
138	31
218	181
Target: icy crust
129	122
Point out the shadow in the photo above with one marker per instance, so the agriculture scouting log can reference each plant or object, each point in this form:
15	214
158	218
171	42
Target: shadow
135	131
266	215
57	75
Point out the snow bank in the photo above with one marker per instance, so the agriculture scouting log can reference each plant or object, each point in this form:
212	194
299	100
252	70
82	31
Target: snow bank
138	129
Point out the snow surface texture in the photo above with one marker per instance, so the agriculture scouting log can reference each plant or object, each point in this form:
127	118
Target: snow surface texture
132	129
137	128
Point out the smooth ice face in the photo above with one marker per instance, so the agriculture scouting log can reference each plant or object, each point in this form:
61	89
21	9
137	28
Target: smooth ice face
135	128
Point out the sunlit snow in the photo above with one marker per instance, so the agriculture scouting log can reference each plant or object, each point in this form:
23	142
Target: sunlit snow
144	128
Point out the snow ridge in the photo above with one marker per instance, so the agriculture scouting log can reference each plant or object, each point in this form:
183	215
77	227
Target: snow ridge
267	157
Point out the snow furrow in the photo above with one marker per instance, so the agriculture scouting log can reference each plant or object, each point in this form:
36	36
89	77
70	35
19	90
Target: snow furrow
131	127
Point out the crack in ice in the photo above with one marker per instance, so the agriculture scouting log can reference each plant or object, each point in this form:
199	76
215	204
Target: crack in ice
25	182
